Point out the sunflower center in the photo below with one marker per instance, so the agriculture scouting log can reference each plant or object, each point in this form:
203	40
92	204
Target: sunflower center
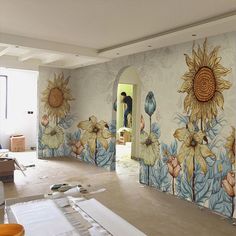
193	143
204	85
95	130
55	98
53	132
148	142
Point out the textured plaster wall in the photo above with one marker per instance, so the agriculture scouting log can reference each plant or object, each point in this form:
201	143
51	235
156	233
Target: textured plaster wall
160	70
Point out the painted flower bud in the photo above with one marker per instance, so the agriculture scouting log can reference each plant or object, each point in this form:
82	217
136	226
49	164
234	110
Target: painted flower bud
77	148
142	123
173	166
228	183
45	120
150	103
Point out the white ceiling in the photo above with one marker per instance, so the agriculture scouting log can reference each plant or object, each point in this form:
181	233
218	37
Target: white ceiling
53	32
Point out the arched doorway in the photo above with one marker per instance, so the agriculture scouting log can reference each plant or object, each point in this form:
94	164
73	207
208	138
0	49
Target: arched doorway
128	79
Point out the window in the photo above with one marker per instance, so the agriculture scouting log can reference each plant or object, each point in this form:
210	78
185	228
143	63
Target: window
3	96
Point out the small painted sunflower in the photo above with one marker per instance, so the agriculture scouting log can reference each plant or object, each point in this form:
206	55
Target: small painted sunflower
53	137
230	146
56	97
150	148
94	131
192	148
203	84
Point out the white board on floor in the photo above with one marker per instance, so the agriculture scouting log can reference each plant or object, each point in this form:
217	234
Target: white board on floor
42	218
113	223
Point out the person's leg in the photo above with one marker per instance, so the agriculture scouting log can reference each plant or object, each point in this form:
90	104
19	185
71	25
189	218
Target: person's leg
126	117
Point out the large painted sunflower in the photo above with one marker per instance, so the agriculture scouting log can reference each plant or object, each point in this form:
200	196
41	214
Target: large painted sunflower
94	131
203	84
56	97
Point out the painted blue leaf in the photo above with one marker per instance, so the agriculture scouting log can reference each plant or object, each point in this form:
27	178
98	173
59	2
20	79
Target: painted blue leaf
112	127
105	158
173	148
67	121
143	173
184	189
181	119
155	128
86	155
214	128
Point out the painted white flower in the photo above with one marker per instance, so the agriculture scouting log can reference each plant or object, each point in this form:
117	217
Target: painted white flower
150	150
53	137
94	131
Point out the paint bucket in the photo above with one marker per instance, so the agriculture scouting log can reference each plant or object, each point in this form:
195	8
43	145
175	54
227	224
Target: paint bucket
1	194
11	230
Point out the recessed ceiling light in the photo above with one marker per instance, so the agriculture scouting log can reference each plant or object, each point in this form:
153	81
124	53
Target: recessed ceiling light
194	35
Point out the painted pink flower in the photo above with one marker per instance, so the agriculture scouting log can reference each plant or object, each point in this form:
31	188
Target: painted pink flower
45	120
77	147
173	166
228	183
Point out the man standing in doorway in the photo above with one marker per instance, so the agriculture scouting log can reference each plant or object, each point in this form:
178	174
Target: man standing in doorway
128	101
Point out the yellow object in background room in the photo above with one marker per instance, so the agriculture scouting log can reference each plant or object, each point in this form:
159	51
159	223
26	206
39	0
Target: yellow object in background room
17	143
11	230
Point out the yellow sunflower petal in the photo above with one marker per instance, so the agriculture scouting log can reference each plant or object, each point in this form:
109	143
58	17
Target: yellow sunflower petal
212	57
200	160
181	134
86	125
186	86
189	164
188	60
183	152
222	84
205	151
106	133
93	119
86	137
103	142
190	127
101	124
198	137
219	99
92	145
221	71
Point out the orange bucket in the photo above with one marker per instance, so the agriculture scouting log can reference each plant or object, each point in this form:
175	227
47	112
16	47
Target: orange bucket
11	230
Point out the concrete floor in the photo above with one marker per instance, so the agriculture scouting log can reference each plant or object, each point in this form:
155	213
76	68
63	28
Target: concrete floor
153	212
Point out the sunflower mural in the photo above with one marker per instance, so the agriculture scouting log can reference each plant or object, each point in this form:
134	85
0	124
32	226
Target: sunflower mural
56	100
204	84
199	165
206	175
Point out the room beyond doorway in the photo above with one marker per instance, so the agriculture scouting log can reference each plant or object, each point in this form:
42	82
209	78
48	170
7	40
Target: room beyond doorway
125	101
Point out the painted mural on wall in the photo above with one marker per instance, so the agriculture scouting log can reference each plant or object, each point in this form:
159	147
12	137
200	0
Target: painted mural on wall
199	165
56	118
91	140
98	139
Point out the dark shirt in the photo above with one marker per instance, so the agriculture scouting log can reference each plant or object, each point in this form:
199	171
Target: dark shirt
128	101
